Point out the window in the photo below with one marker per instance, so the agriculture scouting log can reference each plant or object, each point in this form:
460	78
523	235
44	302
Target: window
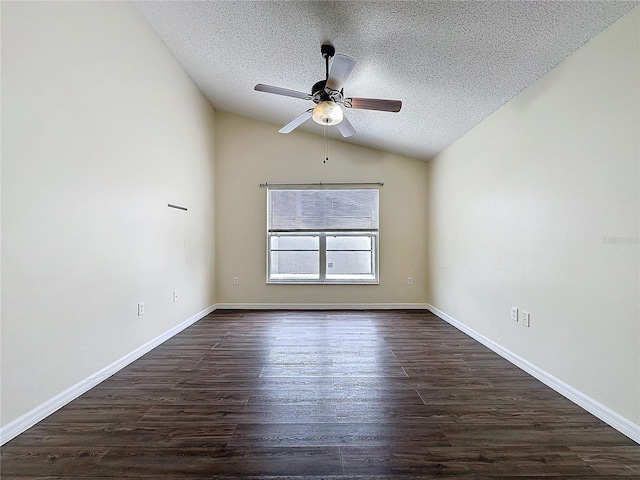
322	235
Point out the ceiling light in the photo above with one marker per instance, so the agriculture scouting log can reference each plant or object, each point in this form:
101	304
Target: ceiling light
327	113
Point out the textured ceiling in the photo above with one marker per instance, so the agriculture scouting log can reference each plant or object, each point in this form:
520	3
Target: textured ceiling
451	63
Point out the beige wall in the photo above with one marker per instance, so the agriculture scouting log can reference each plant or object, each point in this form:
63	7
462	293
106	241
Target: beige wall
537	207
250	152
100	130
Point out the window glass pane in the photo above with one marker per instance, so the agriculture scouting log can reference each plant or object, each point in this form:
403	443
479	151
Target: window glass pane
342	242
294	257
295	265
297	242
349	262
350	257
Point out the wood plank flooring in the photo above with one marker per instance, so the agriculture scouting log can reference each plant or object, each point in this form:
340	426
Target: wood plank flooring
321	395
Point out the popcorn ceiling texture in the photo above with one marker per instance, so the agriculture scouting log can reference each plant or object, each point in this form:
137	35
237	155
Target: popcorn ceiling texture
451	63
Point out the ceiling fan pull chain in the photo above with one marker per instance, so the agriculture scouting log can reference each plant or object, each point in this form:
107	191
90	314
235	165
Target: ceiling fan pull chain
326	146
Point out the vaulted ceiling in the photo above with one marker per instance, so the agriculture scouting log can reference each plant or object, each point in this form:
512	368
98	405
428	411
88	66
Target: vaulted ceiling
451	63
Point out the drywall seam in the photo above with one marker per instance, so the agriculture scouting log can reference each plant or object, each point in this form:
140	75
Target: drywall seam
42	411
623	425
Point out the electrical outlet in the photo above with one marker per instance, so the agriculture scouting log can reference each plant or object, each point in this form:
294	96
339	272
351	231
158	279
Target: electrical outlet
525	319
140	309
235	280
175	296
409	280
514	314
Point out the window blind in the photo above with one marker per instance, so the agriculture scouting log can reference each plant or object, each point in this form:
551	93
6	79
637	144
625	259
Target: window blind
326	209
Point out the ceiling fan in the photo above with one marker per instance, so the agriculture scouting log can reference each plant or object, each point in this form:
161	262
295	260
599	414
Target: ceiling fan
328	95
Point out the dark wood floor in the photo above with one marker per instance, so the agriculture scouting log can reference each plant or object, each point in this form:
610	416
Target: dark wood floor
311	395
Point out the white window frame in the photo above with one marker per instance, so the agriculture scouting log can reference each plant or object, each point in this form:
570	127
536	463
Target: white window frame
322	278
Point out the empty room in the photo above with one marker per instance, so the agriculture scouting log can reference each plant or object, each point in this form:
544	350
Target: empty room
320	240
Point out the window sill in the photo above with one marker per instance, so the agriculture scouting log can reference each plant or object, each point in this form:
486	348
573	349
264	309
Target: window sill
328	282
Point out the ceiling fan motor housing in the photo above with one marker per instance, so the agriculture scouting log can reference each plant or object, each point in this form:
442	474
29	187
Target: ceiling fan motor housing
319	95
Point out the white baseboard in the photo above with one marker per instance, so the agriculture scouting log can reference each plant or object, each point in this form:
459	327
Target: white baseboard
42	411
605	414
322	306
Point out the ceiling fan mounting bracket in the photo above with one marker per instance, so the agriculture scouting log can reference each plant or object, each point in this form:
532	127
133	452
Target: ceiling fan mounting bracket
327	50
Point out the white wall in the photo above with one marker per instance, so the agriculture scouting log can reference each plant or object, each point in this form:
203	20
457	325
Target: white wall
100	130
537	207
250	152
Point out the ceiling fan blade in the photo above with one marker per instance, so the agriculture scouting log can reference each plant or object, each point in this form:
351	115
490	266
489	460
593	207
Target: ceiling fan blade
345	127
340	70
374	104
296	122
282	91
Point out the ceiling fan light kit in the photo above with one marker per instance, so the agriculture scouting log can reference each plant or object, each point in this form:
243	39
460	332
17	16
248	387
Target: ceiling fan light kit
327	114
328	95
